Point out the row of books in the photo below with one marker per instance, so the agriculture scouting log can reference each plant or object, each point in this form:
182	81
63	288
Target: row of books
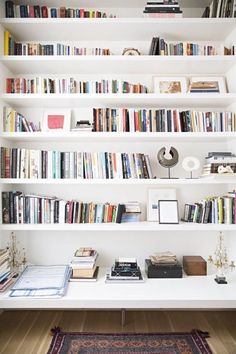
160	47
70	85
37	11
20	208
16	122
215	210
161	120
221	8
24	163
11	47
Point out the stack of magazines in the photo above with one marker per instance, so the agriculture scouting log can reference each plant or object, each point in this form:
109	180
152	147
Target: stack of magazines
42	282
163	8
125	270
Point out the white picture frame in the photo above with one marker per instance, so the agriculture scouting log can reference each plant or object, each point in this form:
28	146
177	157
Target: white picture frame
170	85
219	79
56	120
154	195
168	211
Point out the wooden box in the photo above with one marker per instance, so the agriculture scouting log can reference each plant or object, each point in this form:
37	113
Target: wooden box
194	265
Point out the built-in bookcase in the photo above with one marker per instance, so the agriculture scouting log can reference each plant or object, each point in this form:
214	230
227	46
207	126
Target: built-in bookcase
52	244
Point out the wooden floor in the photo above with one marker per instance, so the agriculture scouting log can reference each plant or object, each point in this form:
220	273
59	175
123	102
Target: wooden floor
28	332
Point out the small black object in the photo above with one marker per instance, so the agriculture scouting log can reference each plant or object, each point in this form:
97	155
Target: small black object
220	280
163	270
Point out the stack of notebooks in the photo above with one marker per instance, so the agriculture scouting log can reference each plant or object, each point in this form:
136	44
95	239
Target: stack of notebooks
204	87
42	282
6	276
163	8
83	264
125	270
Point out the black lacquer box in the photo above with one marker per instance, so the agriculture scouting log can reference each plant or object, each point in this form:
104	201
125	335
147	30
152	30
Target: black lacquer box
163	271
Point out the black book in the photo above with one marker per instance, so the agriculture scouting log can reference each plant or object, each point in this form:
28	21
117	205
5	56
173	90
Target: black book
9	9
163	10
37	12
119	213
206	13
156	49
5	208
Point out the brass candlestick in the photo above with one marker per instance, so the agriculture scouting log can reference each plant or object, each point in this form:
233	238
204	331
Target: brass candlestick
220	261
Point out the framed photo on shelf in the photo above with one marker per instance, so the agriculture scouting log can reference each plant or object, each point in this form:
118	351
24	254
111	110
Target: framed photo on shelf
169	85
168	212
56	120
154	195
207	84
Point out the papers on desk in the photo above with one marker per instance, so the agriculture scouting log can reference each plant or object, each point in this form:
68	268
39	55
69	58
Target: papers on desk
42	281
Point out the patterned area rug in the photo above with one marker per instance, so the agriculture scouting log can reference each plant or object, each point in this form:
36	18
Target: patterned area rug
129	343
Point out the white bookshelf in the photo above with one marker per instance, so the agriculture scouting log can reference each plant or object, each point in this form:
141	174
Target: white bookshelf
220	100
108	64
116	29
56	243
105	227
137	137
186	293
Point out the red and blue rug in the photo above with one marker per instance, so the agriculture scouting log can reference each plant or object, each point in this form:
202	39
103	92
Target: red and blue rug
129	343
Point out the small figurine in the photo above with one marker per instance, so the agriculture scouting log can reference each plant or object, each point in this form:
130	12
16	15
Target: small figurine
221	262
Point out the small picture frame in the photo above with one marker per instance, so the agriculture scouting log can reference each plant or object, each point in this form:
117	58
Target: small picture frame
56	120
168	212
170	85
207	84
154	195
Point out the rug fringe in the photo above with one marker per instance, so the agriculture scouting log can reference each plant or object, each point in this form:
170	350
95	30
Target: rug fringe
203	334
55	330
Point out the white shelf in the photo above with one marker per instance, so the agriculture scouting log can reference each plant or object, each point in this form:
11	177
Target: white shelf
119	100
113	64
122	182
184	293
117	3
140	226
118	137
114	29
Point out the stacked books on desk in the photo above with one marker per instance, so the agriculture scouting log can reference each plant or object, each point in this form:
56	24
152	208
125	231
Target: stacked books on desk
125	270
42	282
163	265
83	264
6	276
83	126
163	8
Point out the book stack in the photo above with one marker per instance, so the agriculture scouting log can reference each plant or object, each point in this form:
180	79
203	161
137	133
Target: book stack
221	8
204	87
83	264
83	126
163	8
213	210
132	212
219	164
163	265
6	276
125	270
